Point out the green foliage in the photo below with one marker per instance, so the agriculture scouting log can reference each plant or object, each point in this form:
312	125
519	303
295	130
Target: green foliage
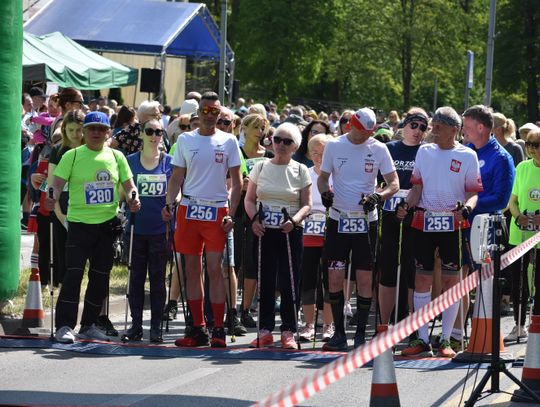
385	53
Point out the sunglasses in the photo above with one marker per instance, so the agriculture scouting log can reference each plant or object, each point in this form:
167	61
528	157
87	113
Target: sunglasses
224	122
150	132
532	144
214	110
286	141
184	126
344	120
415	125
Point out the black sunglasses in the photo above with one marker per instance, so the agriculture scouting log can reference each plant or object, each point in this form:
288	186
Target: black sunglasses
414	126
286	141
532	144
184	126
150	132
224	121
344	120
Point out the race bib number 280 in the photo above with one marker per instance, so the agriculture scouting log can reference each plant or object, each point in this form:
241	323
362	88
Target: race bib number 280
99	192
438	221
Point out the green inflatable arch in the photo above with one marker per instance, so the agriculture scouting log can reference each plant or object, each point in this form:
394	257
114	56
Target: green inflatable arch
10	148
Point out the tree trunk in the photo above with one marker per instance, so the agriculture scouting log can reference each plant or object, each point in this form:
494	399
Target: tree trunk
531	59
407	7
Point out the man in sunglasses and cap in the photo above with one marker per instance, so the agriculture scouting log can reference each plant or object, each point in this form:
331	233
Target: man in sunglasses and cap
445	185
198	184
354	160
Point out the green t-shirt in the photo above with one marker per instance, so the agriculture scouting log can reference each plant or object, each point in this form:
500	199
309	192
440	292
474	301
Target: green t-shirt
172	150
94	177
527	190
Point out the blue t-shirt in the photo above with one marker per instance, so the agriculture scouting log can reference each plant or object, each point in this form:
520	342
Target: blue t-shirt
152	187
403	157
497	172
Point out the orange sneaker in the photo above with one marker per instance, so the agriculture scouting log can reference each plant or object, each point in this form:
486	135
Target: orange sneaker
418	348
265	339
197	336
445	350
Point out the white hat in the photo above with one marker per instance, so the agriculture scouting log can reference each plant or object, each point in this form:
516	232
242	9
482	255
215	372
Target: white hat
189	106
364	119
528	126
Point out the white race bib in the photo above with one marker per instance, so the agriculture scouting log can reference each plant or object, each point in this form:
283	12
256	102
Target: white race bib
438	221
99	192
152	184
352	222
314	224
390	205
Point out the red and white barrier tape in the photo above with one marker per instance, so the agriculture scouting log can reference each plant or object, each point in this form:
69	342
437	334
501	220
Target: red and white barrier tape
334	371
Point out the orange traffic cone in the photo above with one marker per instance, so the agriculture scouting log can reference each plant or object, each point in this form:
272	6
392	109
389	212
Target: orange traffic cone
480	344
384	390
531	366
33	316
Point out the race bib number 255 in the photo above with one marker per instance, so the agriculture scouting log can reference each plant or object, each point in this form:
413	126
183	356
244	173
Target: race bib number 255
438	221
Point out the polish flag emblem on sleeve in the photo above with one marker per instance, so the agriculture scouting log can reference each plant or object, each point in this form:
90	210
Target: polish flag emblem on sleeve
455	166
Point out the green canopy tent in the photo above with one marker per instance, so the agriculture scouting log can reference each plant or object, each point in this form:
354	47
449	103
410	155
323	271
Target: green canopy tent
56	58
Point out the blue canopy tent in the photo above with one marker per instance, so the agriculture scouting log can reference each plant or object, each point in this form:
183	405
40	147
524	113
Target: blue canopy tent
135	26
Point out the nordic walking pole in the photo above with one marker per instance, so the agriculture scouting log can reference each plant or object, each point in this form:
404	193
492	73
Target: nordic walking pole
287	217
167	237
180	285
532	261
460	260
319	272
51	267
131	229
229	297
260	215
398	279
520	302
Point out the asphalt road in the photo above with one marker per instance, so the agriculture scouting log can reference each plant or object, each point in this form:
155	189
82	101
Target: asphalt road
58	377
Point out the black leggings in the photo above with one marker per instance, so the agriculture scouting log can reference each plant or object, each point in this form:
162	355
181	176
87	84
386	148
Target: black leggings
275	265
85	242
311	267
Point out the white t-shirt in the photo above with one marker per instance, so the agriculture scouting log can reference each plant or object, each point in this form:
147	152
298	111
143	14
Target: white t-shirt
316	202
354	169
207	160
445	176
280	185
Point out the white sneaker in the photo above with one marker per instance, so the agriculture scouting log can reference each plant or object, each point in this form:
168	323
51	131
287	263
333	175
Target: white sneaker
307	332
328	332
513	335
64	335
348	310
93	333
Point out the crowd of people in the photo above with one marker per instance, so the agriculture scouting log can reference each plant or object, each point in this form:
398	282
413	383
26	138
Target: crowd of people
263	211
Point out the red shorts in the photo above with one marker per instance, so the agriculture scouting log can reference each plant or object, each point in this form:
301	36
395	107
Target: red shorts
191	236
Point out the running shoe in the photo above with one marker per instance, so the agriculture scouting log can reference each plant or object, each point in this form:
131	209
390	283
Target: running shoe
359	339
456	344
104	323
64	335
265	339
445	350
155	335
92	332
513	335
196	336
328	332
418	348
235	325
307	333
218	338
134	333
247	319
170	311
287	340
336	343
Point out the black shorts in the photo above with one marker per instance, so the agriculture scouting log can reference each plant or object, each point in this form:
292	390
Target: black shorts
446	242
358	248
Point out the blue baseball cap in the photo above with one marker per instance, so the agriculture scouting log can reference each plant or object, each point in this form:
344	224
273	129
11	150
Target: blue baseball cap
97	119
